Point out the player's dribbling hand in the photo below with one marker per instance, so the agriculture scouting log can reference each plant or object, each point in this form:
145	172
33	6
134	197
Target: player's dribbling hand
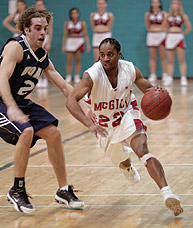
15	114
95	129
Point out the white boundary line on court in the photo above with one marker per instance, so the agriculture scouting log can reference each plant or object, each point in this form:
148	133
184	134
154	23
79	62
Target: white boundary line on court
107	195
105	166
101	205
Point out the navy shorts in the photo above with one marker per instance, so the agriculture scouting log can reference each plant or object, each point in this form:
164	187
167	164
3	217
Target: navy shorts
39	118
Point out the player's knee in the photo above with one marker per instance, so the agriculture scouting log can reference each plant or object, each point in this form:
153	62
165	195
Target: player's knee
54	135
141	149
146	157
28	132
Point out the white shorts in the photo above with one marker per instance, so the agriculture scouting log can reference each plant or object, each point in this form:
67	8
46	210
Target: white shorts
121	136
174	40
155	39
119	152
74	43
98	37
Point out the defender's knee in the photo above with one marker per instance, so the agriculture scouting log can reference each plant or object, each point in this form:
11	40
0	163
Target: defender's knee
54	135
28	132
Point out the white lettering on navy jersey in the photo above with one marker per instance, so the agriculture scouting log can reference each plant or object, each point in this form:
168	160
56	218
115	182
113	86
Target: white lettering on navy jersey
32	71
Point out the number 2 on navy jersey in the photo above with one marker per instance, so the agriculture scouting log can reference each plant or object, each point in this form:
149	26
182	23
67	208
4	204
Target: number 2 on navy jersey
24	90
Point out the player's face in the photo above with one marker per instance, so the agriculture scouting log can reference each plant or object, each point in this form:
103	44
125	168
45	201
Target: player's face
35	35
101	4
155	3
109	56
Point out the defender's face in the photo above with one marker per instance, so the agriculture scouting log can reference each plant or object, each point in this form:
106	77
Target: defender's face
109	56
35	35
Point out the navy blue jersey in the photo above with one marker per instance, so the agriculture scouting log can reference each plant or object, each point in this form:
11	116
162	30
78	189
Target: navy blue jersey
27	72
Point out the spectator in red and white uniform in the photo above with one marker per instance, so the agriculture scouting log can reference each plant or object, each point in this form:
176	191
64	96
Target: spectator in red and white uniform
75	35
175	41
21	6
156	21
102	24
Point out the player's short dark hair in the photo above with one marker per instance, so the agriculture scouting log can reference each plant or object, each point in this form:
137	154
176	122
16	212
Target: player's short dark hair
113	42
25	19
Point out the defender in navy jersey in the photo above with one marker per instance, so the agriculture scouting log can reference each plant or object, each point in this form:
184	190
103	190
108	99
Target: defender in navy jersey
23	122
109	84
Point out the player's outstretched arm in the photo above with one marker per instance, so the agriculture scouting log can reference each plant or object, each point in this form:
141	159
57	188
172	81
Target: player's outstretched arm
141	82
56	79
59	82
83	87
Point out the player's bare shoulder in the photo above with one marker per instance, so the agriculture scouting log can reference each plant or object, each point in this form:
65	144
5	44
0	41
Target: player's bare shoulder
87	81
87	78
13	50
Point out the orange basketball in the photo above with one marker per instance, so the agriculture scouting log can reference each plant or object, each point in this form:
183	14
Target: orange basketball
156	104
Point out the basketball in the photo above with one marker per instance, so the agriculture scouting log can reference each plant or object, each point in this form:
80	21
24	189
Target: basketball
156	104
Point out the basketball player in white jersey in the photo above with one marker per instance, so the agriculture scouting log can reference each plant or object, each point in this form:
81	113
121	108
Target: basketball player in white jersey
109	84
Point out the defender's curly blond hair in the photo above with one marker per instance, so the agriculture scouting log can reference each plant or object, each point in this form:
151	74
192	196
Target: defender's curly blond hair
24	21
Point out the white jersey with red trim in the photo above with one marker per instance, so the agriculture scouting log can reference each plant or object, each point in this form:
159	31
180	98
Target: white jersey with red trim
115	108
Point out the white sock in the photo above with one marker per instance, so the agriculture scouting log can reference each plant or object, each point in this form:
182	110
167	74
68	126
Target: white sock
77	75
64	188
166	190
68	75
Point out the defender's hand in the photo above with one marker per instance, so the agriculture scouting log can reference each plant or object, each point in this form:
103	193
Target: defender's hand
15	114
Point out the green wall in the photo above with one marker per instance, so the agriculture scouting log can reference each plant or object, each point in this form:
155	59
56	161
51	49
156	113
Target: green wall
129	30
